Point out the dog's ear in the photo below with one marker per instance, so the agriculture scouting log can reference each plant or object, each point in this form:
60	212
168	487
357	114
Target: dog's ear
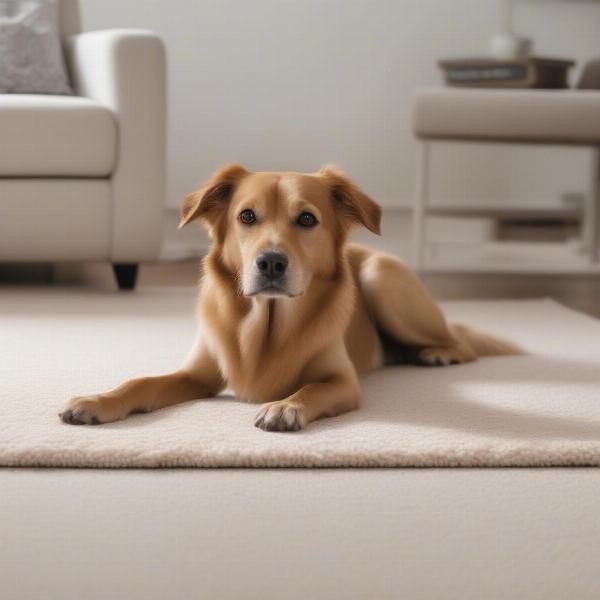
351	203
210	201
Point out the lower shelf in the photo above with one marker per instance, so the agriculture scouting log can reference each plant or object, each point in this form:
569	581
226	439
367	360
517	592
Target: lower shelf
510	257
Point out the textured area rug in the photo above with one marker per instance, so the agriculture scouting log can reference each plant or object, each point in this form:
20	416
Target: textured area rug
541	409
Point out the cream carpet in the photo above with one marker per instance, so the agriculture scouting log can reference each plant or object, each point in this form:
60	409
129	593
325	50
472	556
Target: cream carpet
540	409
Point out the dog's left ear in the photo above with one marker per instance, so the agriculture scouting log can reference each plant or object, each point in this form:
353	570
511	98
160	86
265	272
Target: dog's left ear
350	202
209	202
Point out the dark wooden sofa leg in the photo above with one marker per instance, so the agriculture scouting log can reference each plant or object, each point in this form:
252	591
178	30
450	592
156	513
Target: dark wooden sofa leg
126	275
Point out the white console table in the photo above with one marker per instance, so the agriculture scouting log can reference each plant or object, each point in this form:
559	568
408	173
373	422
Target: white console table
554	117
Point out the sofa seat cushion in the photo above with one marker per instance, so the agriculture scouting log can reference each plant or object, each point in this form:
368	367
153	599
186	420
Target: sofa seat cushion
561	116
55	136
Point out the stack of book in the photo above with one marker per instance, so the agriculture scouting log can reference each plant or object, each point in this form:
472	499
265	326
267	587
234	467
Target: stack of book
531	72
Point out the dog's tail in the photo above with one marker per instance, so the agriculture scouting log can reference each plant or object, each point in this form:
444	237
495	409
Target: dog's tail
483	344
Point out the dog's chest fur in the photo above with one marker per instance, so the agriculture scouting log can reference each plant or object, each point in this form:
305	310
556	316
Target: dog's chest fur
263	344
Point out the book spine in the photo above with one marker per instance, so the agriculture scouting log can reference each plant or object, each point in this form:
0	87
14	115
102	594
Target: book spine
466	75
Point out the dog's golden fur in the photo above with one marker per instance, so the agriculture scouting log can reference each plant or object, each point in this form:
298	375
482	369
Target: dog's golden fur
299	349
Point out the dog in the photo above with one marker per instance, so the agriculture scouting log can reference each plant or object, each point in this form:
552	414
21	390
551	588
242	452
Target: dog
291	313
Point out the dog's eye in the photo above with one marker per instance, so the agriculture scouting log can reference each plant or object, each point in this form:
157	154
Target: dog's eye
307	219
247	217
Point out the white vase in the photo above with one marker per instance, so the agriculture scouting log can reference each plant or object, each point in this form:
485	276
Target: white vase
507	46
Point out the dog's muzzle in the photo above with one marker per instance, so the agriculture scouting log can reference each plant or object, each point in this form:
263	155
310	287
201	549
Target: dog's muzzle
271	273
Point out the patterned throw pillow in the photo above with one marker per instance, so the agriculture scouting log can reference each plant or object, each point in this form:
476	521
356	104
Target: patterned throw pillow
31	58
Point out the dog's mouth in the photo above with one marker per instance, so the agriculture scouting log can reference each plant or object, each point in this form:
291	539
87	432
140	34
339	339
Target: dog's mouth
271	288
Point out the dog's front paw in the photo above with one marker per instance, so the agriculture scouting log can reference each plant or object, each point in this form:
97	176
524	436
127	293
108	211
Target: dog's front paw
281	415
89	410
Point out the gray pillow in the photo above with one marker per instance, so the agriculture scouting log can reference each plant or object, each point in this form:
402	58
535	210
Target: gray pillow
31	58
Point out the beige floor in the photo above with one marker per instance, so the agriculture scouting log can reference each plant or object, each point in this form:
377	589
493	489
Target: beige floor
301	534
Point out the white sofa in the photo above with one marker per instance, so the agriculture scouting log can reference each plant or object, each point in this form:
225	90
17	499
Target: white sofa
82	177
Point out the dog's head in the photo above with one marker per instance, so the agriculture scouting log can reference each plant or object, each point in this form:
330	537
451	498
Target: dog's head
277	231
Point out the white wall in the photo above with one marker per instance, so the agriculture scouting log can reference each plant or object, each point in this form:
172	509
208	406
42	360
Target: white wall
291	84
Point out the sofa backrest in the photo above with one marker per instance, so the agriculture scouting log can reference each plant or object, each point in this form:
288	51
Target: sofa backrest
70	22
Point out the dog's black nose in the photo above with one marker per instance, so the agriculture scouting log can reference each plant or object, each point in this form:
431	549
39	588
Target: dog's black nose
272	264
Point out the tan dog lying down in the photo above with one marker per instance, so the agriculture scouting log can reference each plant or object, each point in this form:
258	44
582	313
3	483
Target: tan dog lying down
291	313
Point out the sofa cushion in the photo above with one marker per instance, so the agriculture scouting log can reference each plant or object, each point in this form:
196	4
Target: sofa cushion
561	116
56	136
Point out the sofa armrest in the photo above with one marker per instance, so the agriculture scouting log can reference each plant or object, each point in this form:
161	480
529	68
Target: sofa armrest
125	71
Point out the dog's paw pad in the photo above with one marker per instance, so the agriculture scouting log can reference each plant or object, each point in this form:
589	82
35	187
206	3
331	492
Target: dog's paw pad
280	416
441	357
